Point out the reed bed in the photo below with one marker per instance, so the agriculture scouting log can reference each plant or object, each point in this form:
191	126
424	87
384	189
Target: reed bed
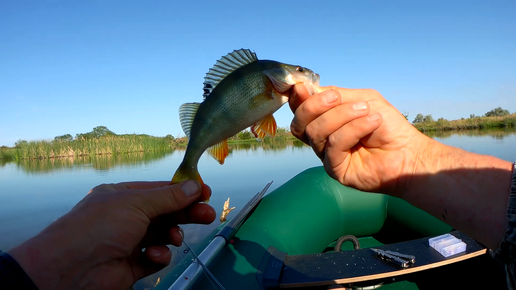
130	143
246	136
8	154
114	144
508	121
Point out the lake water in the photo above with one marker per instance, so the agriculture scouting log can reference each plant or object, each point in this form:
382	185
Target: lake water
35	193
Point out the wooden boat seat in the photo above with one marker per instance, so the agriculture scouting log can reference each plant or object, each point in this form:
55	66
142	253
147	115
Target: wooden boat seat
280	270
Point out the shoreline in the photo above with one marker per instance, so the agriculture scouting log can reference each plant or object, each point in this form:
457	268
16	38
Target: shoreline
475	123
127	144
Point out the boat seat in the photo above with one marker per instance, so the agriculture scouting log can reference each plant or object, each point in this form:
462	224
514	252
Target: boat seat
280	270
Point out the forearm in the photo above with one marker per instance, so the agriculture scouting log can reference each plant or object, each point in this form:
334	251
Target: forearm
466	190
50	258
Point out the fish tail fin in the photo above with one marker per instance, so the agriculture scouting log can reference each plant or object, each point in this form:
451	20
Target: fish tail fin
188	173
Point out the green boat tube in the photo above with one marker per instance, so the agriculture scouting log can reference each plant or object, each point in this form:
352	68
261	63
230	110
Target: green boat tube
307	215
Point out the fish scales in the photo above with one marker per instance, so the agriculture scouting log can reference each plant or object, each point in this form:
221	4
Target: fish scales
232	102
246	96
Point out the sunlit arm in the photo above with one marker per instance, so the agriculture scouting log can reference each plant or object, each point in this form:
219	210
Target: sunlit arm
466	190
365	143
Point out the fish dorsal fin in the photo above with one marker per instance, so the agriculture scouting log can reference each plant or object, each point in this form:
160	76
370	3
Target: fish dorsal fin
219	151
187	113
266	126
226	65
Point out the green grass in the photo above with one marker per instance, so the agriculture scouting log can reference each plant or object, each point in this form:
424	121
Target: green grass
8	154
284	137
109	144
508	121
248	137
114	144
117	144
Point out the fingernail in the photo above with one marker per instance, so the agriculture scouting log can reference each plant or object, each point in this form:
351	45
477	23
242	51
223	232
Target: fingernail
155	253
190	188
329	97
360	106
374	117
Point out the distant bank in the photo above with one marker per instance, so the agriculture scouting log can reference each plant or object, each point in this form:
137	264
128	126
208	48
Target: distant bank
508	121
101	141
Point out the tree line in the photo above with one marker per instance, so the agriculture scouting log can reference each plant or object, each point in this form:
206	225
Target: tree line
496	112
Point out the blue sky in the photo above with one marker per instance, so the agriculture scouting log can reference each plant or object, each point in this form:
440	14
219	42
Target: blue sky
68	66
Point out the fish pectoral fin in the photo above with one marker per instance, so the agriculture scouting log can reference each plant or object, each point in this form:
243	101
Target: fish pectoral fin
187	114
219	151
279	79
266	126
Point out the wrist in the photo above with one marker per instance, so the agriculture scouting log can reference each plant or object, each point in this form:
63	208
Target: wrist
414	164
49	260
432	158
40	262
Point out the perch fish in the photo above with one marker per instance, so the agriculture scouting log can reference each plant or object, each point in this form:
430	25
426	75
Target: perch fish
240	91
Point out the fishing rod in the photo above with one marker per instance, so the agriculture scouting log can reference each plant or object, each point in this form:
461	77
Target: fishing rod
221	239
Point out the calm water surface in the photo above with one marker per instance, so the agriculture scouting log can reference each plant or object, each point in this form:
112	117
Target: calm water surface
35	193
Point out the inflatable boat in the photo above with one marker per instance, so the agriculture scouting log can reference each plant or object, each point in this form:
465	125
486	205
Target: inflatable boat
314	233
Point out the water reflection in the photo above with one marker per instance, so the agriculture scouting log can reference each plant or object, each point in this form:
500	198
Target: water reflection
97	162
267	145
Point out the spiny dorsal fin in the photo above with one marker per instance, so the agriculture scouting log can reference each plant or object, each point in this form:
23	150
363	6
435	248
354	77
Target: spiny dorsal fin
187	113
226	65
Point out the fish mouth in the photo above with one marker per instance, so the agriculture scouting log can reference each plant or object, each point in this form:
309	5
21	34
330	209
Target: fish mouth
312	83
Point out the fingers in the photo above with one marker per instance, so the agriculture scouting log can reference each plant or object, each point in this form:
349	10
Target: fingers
323	126
298	96
168	199
164	230
114	187
301	94
151	261
160	255
339	143
318	117
310	110
198	213
141	184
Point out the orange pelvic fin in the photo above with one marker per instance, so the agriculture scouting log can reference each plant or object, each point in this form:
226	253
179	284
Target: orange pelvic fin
219	151
266	126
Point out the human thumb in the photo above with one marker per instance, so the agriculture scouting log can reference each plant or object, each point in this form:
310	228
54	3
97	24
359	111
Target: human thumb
168	199
298	96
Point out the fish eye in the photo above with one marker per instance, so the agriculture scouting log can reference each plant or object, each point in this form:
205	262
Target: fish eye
299	69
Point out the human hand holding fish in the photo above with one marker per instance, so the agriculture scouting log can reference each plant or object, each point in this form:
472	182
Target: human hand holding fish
99	243
362	140
365	142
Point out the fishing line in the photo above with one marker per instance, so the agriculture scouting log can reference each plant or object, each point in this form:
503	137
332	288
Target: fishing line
206	271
